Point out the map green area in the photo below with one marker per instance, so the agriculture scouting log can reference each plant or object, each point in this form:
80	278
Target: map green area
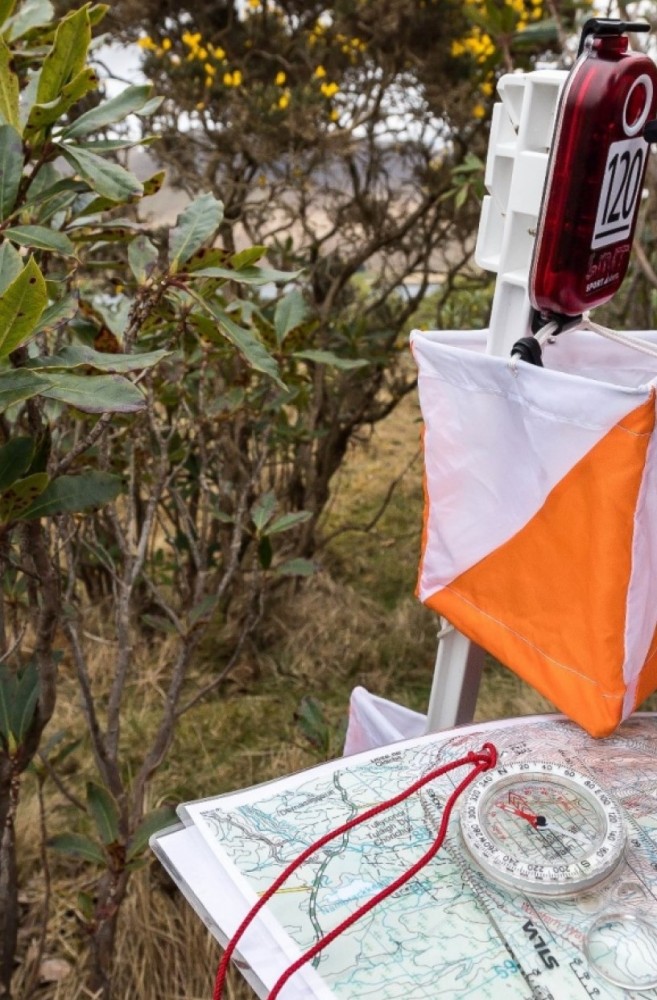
450	932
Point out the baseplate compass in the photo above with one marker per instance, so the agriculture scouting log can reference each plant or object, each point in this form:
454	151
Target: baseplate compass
542	828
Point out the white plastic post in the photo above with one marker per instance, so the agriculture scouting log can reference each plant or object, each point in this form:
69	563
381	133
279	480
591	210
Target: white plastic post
521	133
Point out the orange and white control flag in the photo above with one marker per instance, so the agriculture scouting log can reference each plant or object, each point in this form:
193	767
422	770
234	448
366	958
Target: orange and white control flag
540	528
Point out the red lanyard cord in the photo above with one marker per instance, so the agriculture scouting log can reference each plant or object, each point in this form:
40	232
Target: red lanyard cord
483	760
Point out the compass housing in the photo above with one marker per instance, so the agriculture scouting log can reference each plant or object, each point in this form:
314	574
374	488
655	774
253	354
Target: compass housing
542	829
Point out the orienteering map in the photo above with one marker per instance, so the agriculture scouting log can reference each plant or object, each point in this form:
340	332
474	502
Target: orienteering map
449	931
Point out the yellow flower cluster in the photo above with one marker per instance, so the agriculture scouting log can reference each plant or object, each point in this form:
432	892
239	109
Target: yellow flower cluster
351	46
316	33
328	89
213	63
478	44
233	79
199	50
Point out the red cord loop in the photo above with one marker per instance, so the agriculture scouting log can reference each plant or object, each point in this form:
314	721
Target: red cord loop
484	760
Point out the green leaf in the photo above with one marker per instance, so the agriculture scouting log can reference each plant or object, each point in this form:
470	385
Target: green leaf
154	184
290	312
42	115
159	623
97	13
92	393
17	386
11	265
11	168
109	112
329	358
79	356
251	349
206	257
86	906
152	823
67	56
202	610
6	9
297	567
31	14
287	521
105	812
8	684
311	720
9	87
248	275
265	552
42	449
49	183
247	257
77	846
194	227
41	238
19	497
57	315
543	33
106	178
70	494
27	695
15	459
142	257
263	509
21	305
114	145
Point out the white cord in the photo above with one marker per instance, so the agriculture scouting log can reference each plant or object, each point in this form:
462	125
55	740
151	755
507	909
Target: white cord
622	338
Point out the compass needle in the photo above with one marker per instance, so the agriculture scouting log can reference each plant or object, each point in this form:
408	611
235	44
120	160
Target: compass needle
543	829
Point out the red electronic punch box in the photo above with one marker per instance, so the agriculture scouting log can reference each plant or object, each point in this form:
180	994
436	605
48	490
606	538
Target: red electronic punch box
595	174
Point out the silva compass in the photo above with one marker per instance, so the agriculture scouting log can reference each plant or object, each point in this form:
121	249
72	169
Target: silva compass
542	828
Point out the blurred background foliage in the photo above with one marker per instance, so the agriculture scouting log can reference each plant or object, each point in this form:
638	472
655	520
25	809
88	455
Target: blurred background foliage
243	549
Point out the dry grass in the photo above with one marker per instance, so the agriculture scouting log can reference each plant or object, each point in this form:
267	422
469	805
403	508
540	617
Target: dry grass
356	622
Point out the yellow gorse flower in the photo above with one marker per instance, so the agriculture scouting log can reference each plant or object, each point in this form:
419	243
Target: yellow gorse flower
284	100
280	78
329	89
320	72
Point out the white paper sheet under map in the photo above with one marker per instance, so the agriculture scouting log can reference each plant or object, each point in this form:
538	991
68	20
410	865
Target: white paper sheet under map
449	932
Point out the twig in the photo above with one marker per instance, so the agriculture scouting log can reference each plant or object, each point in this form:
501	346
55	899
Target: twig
31	985
14	646
365	528
85	443
645	264
61	787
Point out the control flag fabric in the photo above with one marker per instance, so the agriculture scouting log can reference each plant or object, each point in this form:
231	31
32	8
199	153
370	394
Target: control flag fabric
540	526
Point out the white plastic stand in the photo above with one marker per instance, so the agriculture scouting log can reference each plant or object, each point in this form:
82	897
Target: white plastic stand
520	139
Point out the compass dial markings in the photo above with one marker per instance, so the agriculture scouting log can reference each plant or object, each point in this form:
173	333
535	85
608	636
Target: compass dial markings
542	828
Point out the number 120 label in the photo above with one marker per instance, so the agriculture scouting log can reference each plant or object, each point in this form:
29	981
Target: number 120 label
621	188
